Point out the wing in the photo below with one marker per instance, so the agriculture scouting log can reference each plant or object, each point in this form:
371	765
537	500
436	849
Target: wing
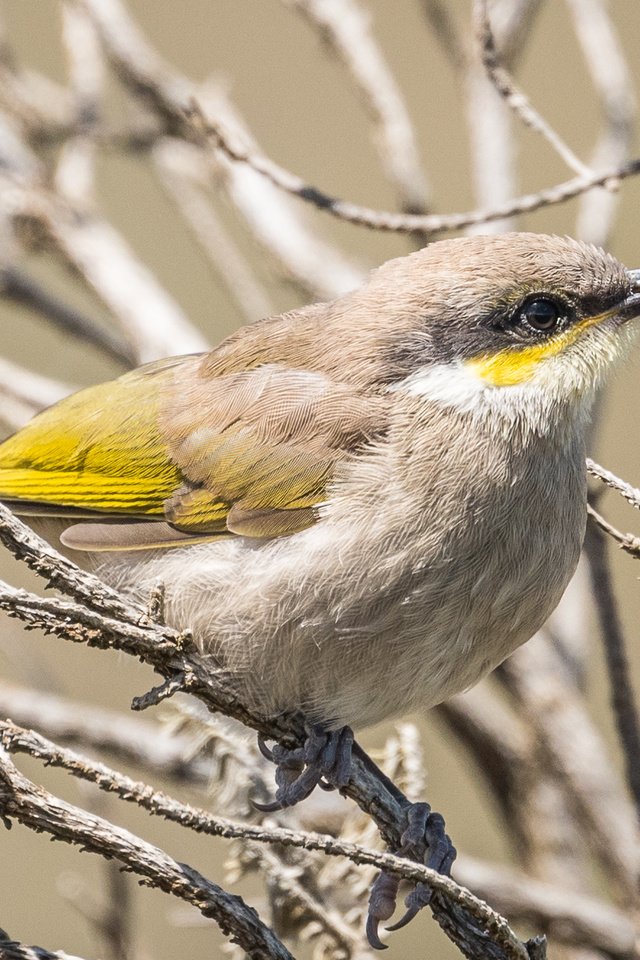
183	455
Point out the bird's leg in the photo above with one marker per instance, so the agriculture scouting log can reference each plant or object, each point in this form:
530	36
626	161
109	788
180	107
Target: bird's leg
324	760
424	840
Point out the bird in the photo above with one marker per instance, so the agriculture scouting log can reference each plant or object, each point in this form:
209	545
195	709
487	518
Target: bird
358	507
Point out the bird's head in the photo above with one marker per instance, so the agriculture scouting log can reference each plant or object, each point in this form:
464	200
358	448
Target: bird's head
523	324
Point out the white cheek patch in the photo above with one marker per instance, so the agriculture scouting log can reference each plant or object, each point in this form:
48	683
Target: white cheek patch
452	385
550	402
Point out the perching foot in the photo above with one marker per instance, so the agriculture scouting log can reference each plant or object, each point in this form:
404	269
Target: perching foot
325	761
424	840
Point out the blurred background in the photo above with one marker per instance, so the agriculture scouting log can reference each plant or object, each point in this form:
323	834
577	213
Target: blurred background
122	242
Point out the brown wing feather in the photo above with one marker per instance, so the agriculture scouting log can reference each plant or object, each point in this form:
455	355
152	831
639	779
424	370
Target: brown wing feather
256	451
265	447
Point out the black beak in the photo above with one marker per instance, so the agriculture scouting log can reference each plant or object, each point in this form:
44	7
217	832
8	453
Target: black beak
630	307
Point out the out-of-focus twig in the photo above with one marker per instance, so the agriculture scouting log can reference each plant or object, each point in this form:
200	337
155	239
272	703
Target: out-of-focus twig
184	174
439	17
574	750
564	915
492	144
346	29
515	98
311	262
148	316
24	393
130	740
18	287
605	60
621	691
75	172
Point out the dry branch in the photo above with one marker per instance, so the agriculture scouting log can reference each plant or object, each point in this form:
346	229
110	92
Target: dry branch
15	739
173	656
39	810
14	950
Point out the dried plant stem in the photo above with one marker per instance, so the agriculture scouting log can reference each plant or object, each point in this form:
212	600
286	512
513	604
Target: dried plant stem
39	810
15	739
410	223
622	694
630	494
514	97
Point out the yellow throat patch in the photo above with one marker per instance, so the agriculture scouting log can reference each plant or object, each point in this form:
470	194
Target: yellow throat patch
513	366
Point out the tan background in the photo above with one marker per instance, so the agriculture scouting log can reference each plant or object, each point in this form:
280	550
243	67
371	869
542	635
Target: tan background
305	116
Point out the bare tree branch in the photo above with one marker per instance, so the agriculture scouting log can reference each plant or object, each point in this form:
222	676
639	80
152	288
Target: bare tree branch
621	691
24	393
605	60
346	29
172	656
16	739
184	174
576	753
130	740
563	915
514	97
39	810
406	223
313	263
630	494
14	950
17	287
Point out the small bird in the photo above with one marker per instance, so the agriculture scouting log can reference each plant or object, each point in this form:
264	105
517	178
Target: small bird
358	507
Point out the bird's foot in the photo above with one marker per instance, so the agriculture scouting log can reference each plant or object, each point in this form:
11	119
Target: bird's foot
425	841
324	760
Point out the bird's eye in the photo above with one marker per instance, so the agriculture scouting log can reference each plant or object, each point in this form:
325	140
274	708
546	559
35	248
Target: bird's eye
540	314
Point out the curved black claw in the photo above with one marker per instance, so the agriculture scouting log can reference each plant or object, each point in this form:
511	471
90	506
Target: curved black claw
264	749
325	761
382	903
424	840
372	933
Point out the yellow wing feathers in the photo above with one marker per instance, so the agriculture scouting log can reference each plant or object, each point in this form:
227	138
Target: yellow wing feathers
99	449
250	453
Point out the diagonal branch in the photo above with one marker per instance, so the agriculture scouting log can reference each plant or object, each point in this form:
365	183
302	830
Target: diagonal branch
515	98
621	690
15	739
19	287
630	494
14	950
345	28
39	810
171	655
